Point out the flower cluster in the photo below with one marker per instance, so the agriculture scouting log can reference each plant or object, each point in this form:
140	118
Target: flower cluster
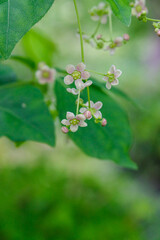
87	111
157	28
139	8
118	42
101	43
79	76
45	74
100	13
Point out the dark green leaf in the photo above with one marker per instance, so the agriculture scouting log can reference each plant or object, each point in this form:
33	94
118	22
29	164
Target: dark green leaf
122	10
111	142
26	61
7	75
24	115
16	18
116	91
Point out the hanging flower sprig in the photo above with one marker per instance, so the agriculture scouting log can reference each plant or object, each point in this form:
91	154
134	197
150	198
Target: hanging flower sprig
103	15
140	10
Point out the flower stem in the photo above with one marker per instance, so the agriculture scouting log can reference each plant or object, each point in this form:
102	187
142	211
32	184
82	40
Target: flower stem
152	19
101	74
79	94
82	50
110	24
80	30
97	28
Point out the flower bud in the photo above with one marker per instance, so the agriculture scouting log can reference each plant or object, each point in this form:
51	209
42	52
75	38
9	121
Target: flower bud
87	114
99	36
158	33
104	122
65	130
126	37
80	101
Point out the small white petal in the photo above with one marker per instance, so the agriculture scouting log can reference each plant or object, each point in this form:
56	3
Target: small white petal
79	84
118	41
115	82
74	128
81	67
82	124
70	68
98	105
118	73
70	115
80	117
95	18
98	115
38	74
112	69
68	80
108	85
65	122
73	91
91	104
104	19
85	75
101	5
45	68
105	78
82	110
112	51
88	83
92	43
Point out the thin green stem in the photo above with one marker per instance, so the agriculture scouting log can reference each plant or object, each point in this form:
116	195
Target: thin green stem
110	24
101	74
77	111
152	19
80	30
82	49
96	30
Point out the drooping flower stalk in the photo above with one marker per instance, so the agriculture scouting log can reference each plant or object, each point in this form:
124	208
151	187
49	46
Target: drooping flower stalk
82	47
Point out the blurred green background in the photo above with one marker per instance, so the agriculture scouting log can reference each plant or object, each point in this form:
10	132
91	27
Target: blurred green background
60	193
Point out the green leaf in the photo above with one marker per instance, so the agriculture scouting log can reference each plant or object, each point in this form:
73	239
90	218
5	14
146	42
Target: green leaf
7	75
24	115
116	91
26	61
111	142
16	18
121	10
39	47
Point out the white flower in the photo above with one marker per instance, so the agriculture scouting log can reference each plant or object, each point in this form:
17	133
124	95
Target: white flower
139	8
114	44
99	13
112	77
80	85
94	109
45	74
74	122
76	74
87	39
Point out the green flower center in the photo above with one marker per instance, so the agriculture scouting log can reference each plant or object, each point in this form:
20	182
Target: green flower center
139	8
76	75
111	77
45	74
93	110
74	121
112	45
